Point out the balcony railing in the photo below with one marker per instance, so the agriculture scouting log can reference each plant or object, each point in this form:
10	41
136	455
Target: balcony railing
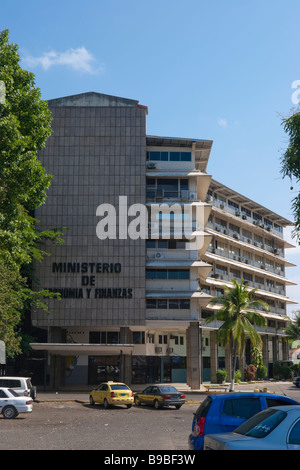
246	260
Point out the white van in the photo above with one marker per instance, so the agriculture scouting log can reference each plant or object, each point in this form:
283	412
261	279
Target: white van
21	385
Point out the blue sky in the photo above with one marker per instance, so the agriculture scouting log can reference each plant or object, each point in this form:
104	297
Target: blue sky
214	69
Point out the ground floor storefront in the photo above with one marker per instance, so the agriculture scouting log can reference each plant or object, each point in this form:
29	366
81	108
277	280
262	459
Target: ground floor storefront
76	364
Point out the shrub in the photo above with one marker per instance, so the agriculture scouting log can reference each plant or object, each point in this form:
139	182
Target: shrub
221	376
250	372
261	372
237	376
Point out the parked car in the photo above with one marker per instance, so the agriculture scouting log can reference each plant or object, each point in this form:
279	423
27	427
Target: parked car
21	385
275	428
112	393
160	396
225	412
11	404
296	381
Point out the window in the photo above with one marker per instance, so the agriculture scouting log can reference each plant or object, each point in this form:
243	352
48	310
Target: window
261	425
247	277
276	402
235	273
234	205
169	156
220	222
183	304
104	337
167	274
138	337
221	269
162	339
234	228
294	437
162	303
242	407
245	211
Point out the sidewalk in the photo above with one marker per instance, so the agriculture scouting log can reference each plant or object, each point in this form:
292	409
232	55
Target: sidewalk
192	396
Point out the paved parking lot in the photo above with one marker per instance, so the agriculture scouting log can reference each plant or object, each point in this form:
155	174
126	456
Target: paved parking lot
66	421
69	425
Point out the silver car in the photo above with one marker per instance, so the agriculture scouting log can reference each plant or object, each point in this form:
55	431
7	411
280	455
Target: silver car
11	404
276	428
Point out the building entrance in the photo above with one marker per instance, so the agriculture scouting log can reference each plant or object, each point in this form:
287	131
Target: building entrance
103	368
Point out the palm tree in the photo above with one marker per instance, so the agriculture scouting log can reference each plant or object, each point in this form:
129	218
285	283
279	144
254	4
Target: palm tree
238	313
293	329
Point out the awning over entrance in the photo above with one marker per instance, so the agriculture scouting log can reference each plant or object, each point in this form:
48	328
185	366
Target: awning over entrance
72	349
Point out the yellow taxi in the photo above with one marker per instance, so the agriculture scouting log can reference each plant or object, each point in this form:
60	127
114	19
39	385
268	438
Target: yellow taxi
112	393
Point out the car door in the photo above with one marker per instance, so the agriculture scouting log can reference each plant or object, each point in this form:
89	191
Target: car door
236	410
3	399
99	393
147	396
155	395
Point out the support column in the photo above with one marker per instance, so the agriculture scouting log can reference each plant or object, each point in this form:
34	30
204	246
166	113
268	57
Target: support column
265	351
194	367
213	356
125	359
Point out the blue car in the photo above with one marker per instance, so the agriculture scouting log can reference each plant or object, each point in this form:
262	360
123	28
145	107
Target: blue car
224	413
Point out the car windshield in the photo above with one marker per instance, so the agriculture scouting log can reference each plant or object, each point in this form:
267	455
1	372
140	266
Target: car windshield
168	389
262	424
119	387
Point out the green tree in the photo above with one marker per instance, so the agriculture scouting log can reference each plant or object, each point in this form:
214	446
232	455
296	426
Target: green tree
238	314
293	328
25	125
290	162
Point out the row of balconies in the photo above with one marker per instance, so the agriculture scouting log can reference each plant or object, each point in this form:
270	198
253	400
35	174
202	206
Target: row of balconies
279	290
265	265
237	213
250	241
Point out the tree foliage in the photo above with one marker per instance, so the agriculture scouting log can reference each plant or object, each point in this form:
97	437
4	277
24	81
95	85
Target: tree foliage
290	162
238	312
25	125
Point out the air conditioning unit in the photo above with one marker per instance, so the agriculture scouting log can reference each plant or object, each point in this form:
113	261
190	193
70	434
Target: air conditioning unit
237	213
193	196
151	165
158	350
169	350
159	255
244	217
236	236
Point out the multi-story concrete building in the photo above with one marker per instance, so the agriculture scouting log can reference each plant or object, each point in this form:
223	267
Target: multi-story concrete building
149	238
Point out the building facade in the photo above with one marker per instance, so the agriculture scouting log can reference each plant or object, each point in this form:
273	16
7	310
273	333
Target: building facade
149	237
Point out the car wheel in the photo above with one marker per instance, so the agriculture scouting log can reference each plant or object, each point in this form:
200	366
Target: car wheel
298	385
105	404
137	401
156	404
178	407
129	406
92	400
9	412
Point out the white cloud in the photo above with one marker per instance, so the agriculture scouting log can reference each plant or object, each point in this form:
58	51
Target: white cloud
79	59
222	122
